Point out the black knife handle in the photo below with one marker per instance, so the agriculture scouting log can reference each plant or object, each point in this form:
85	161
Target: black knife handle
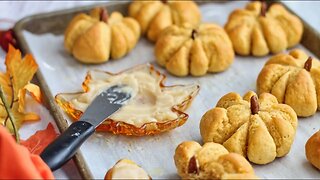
65	146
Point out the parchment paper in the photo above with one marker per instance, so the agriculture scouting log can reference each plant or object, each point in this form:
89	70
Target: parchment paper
155	153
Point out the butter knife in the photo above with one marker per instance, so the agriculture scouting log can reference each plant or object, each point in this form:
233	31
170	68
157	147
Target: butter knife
65	146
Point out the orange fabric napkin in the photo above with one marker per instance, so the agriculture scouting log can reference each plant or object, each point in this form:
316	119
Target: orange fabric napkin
16	162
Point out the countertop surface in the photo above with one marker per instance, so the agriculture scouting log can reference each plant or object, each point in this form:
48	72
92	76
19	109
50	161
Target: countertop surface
12	11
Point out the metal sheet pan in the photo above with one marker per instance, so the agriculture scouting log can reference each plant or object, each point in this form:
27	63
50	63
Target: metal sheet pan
53	24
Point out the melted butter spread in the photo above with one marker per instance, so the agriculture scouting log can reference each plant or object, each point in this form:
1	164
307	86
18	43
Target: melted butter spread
125	170
149	102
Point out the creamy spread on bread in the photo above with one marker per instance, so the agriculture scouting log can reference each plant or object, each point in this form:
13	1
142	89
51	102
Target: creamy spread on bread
149	102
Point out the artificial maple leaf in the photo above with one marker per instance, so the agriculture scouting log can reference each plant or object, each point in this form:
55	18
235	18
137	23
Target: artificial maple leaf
15	82
40	140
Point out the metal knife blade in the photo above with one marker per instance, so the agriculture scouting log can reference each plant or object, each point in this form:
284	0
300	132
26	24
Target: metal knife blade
65	146
105	104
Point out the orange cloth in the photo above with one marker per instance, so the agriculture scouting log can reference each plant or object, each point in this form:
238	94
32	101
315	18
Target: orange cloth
16	162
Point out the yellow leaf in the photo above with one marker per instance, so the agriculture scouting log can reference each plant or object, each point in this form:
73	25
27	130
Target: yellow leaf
20	118
30	117
15	83
34	90
20	71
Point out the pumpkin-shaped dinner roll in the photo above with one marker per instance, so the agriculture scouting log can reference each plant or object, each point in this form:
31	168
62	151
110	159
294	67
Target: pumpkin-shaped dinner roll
184	50
96	37
126	169
154	16
312	149
294	79
210	161
259	129
259	29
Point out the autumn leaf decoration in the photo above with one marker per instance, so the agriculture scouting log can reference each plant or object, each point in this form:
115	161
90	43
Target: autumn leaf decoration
7	37
40	140
15	83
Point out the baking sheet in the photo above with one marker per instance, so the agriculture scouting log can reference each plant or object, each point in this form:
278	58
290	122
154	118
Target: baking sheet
155	153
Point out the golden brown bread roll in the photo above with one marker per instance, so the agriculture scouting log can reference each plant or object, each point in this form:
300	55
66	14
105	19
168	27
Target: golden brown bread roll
259	29
313	150
126	169
154	16
294	79
96	37
259	129
210	161
186	50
